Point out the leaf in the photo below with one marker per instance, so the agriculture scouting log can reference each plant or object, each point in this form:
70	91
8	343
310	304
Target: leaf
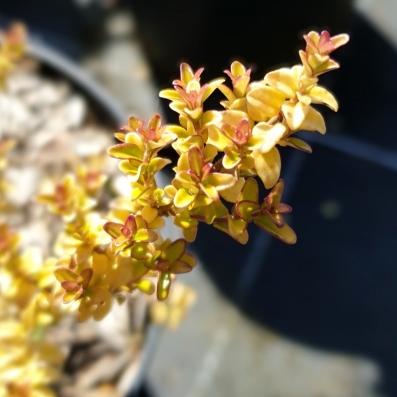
322	96
196	160
65	274
149	214
180	266
217	139
211	87
263	102
175	250
298	144
138	269
190	233
154	123
295	114
250	191
183	199
245	208
163	285
156	164
224	227
220	181
270	134
125	151
283	80
268	166
285	233
170	94
236	226
231	159
140	251
145	286
314	121
230	194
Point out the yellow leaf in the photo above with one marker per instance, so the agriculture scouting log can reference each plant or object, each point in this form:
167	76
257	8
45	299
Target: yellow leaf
268	166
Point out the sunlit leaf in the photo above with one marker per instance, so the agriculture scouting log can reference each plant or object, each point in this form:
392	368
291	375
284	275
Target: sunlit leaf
285	233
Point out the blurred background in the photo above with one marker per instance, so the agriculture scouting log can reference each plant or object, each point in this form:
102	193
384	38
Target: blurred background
315	319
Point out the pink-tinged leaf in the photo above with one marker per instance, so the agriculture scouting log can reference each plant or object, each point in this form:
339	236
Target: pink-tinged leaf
196	160
268	166
113	229
145	286
86	276
298	144
71	286
340	40
154	123
220	181
206	170
285	233
162	265
134	123
183	199
187	73
238	69
245	208
175	250
65	274
71	296
229	131
250	191
277	219
277	192
282	208
163	285
125	151
130	225
120	136
180	266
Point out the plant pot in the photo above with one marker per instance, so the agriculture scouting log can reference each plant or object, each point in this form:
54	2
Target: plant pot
107	114
336	288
